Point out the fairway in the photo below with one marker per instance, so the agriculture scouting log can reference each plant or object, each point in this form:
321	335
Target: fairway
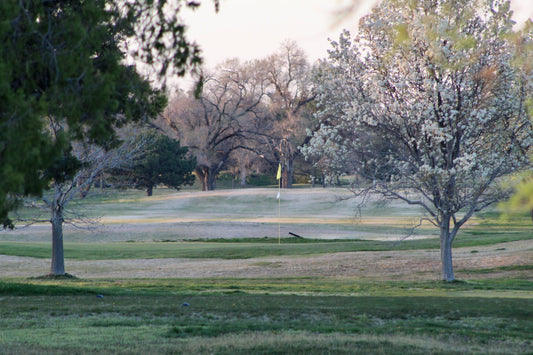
201	273
161	195
265	316
247	213
234	233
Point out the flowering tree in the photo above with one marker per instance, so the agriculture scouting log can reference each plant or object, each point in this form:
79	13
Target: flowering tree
522	198
426	101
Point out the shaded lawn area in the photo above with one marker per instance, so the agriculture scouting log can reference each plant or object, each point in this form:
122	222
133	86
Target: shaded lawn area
299	315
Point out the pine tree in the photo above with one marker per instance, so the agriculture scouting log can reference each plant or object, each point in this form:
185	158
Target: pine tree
62	65
165	162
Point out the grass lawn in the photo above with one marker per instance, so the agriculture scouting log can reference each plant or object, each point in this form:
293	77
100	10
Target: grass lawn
238	248
489	312
269	316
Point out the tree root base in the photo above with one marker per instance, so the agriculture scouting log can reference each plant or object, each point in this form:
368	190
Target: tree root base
65	276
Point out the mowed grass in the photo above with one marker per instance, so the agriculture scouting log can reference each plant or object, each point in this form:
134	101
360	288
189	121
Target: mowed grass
250	247
229	316
270	315
253	213
488	230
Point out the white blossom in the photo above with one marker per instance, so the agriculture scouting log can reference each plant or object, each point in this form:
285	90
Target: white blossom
440	110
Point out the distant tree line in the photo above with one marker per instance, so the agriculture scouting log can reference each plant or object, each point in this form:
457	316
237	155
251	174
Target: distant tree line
248	117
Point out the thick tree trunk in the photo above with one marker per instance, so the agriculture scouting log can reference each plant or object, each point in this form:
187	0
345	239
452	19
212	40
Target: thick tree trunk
446	239
243	174
58	259
208	178
211	180
150	190
287	174
201	176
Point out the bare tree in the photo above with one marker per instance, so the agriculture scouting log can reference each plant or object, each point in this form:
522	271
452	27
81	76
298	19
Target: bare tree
246	162
259	106
290	92
72	177
226	117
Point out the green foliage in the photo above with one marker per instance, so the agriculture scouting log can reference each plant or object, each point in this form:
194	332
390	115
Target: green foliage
262	180
62	65
522	199
227	180
63	168
164	162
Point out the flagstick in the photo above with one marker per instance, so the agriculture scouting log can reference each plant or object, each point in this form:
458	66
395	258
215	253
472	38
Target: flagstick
278	177
279	213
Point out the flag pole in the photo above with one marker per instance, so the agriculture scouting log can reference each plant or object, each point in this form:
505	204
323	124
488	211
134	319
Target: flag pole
279	215
278	177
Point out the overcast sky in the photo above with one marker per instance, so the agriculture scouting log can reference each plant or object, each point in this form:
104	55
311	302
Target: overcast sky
250	29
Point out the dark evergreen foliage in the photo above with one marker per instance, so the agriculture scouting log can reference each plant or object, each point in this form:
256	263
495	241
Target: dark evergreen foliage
164	162
63	77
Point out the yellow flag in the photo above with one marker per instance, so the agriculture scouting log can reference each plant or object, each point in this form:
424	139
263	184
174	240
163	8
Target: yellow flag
278	176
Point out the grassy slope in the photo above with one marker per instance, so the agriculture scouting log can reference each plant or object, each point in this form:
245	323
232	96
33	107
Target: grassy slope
319	209
316	206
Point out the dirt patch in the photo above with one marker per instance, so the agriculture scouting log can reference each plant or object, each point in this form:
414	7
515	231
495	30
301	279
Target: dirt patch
391	265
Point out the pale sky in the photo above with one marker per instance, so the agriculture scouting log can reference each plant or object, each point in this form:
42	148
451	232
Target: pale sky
252	29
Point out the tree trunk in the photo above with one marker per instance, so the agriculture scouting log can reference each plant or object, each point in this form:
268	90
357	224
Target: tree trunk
287	174
211	179
243	174
446	239
150	190
208	177
58	259
201	176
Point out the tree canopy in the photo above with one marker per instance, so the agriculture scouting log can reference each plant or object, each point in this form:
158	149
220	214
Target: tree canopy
426	102
164	161
225	117
64	62
252	111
